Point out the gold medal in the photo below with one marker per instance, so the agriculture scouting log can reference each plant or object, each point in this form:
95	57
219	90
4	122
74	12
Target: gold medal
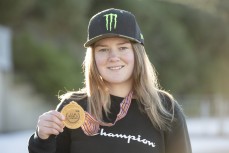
74	115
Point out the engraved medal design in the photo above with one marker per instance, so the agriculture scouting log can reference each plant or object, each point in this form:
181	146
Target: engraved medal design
74	115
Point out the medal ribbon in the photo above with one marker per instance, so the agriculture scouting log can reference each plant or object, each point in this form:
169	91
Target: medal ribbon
91	125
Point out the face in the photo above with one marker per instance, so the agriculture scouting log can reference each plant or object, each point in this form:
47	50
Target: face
114	58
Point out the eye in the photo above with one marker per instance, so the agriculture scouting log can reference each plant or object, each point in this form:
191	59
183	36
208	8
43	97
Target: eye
103	50
123	48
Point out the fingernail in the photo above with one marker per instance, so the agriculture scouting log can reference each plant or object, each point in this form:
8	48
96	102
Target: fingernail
63	117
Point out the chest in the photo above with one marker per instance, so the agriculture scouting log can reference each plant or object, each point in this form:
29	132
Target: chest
132	134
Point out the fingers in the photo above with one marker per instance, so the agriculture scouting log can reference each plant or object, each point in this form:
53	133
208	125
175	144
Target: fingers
50	123
54	117
45	132
57	114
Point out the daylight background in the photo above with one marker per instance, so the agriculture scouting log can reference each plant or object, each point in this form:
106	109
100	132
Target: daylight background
41	55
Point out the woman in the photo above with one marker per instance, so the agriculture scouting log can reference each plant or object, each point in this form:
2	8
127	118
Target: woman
126	112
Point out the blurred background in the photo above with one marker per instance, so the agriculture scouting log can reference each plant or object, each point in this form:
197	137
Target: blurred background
41	55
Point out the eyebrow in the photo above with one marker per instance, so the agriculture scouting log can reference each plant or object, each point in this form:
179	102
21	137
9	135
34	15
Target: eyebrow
101	45
125	42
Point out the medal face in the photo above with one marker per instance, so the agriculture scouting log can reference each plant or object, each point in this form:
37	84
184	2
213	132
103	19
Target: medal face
74	115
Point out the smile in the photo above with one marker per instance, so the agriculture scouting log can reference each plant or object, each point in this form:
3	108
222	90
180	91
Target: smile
115	67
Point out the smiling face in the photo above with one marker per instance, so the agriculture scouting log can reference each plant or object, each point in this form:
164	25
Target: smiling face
114	58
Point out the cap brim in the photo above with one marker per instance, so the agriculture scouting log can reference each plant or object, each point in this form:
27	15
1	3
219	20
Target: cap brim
97	38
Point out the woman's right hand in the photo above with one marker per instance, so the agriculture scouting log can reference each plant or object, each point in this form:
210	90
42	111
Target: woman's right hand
50	123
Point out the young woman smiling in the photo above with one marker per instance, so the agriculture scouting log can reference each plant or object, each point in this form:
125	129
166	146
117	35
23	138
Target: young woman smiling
125	110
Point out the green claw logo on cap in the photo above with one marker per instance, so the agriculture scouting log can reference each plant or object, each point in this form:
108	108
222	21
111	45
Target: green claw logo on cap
141	36
111	16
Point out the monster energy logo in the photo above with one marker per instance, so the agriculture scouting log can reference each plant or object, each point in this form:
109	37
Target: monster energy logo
111	17
141	36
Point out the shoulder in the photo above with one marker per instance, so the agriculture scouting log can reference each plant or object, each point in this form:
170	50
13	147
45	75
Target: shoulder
178	128
172	106
79	97
167	100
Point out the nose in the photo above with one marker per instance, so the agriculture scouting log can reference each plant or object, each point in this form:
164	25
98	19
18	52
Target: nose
113	56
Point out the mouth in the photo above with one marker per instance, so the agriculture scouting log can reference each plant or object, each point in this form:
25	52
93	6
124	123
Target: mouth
115	67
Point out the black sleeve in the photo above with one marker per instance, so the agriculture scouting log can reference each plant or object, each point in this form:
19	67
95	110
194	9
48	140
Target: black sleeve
37	145
54	144
177	139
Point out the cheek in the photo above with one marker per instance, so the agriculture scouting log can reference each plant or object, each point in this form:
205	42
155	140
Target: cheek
130	59
99	61
132	62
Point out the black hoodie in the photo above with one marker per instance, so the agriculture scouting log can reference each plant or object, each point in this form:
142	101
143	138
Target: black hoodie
133	134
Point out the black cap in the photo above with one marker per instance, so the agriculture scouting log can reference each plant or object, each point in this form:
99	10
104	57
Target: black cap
113	22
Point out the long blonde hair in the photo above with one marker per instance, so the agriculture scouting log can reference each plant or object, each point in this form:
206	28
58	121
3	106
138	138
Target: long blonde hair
145	87
148	92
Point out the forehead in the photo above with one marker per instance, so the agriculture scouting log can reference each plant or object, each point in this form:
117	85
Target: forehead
112	40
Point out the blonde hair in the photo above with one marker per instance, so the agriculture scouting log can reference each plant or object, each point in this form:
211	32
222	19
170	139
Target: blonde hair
148	92
145	87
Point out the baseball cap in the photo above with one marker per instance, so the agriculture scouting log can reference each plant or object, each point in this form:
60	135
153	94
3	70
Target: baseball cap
113	23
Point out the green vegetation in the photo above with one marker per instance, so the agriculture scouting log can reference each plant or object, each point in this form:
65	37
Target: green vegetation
48	67
188	45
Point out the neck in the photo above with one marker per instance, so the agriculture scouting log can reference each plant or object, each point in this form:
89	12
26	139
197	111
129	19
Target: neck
120	90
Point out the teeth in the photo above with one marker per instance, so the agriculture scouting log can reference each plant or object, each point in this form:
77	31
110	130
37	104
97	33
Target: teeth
115	67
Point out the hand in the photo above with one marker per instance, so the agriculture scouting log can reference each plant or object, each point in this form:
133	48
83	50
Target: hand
50	123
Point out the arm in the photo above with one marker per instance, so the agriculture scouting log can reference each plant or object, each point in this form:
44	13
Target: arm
54	144
50	136
38	145
177	139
